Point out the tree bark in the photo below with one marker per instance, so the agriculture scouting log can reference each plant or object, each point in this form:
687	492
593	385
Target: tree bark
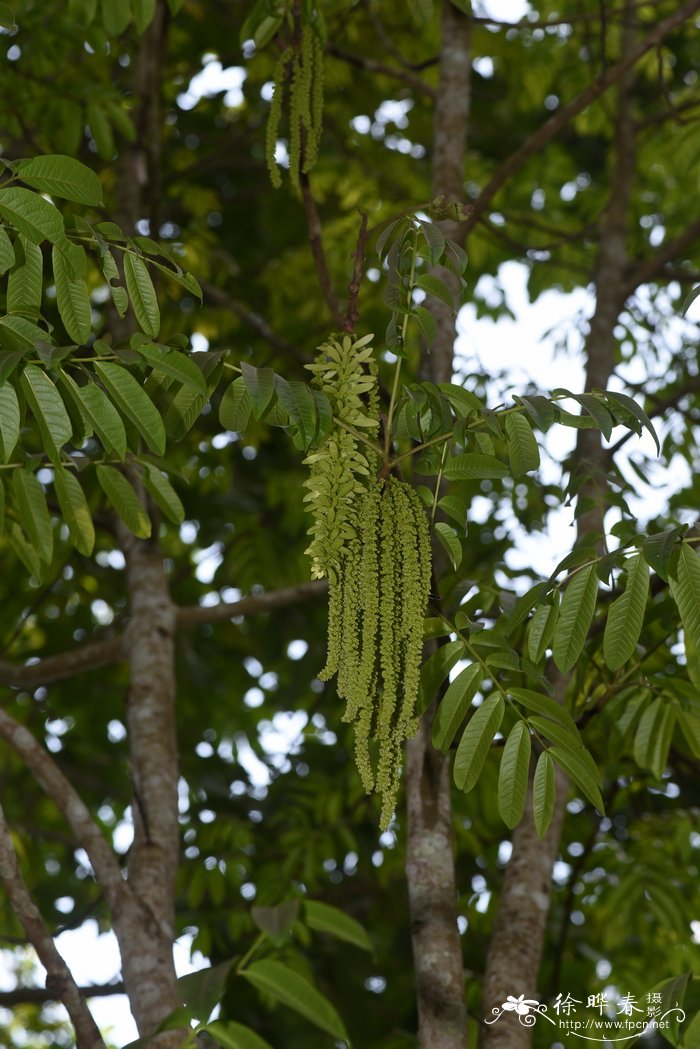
430	873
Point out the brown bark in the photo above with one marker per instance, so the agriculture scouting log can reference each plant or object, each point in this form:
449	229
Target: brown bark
516	946
430	873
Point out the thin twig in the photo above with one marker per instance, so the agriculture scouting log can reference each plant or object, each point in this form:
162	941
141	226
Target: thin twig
371	65
313	223
352	311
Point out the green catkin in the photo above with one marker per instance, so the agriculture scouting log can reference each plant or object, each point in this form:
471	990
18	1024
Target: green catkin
275	117
316	102
295	98
305	64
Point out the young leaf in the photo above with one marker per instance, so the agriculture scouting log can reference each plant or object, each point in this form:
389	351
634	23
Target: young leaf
435	669
75	510
513	775
142	293
124	500
61	176
322	917
294	990
626	615
575	617
472	466
177	365
231	1035
48	409
543	793
24	283
9	421
72	298
541	631
104	418
448	538
523	452
134	403
29	213
476	741
260	384
578	773
163	494
235	407
455	704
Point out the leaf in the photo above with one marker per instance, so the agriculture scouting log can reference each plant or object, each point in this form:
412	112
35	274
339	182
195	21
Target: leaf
323	917
142	294
24	551
177	365
523	605
575	617
447	536
454	507
541	630
20	335
523	452
455	704
7	252
435	669
202	990
631	405
33	512
29	213
543	793
116	15
685	588
24	283
63	177
658	549
9	421
7	18
545	705
260	384
421	11
48	409
75	510
231	1035
143	12
578	773
235	407
626	615
568	740
476	741
434	239
133	402
473	466
72	299
294	990
300	406
513	775
163	494
124	500
104	418
437	288
426	323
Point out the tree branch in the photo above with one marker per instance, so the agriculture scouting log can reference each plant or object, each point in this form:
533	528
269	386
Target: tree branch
561	118
218	297
313	223
59	980
194	615
41	995
372	66
646	271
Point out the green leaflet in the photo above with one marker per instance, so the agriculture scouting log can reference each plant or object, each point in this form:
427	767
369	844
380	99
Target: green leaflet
523	452
437	288
575	617
513	775
473	466
163	493
142	294
435	669
143	12
48	409
75	510
134	403
62	176
455	704
685	588
235	407
289	987
542	627
322	917
300	406
546	706
25	551
568	740
640	415
476	741
124	500
653	736
29	213
543	793
116	15
7	18
177	365
448	537
72	298
24	283
20	335
231	1035
103	417
626	615
260	384
9	421
30	502
579	774
82	427
7	252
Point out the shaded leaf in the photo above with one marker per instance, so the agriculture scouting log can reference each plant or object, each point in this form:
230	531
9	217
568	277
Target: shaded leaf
447	536
435	669
75	510
543	793
294	990
455	704
177	365
513	774
235	407
473	466
231	1035
72	299
163	493
104	418
626	615
142	294
29	213
33	512
260	384
48	409
62	176
125	501
134	403
24	283
523	452
476	741
9	421
577	610
323	917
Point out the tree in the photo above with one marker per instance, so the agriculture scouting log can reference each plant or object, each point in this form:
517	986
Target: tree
571	718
